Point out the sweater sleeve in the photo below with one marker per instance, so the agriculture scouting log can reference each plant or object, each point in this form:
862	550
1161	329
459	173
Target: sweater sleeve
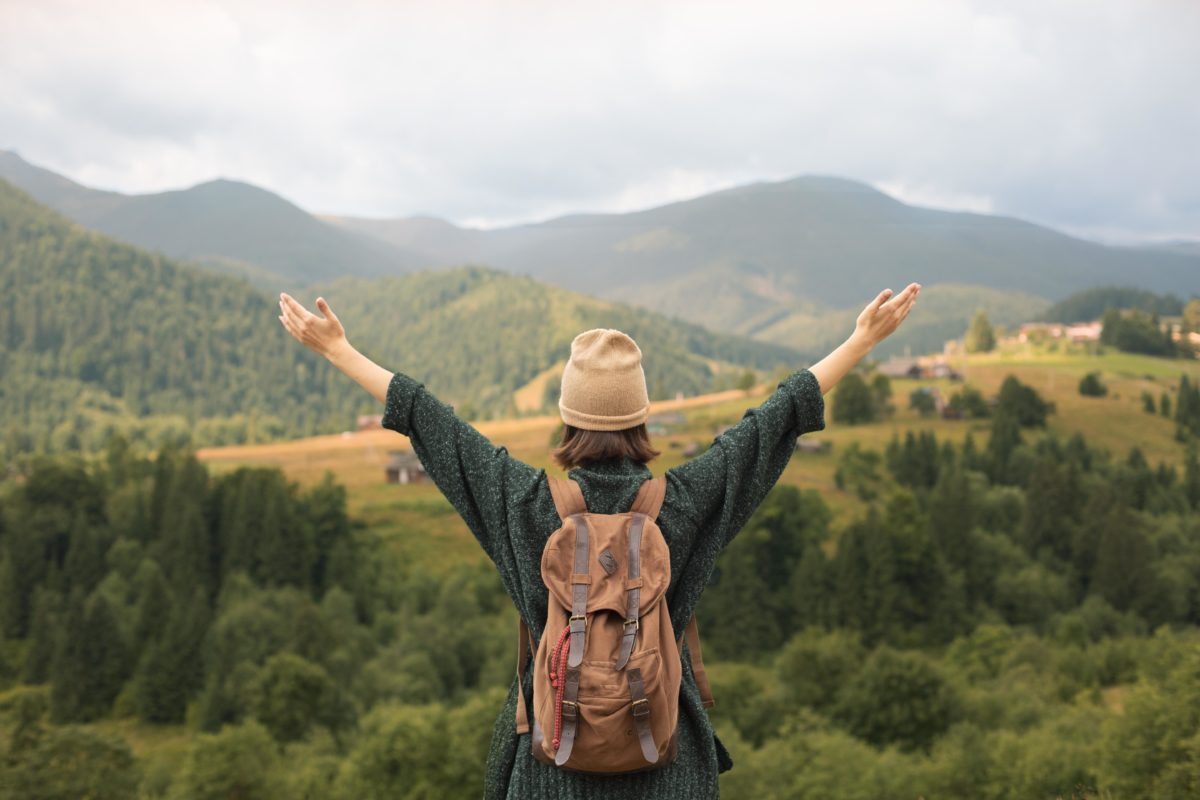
475	475
727	482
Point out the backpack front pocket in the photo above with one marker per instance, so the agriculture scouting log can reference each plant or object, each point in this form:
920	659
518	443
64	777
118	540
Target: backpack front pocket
607	737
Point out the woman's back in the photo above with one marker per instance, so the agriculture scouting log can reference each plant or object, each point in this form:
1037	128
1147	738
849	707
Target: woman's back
508	506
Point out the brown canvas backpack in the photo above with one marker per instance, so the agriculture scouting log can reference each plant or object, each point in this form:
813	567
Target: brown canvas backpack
607	670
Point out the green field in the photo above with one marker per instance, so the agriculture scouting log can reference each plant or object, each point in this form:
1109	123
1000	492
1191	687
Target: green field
423	526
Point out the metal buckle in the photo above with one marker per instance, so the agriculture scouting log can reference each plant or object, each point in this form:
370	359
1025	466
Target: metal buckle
570	708
644	709
632	622
574	617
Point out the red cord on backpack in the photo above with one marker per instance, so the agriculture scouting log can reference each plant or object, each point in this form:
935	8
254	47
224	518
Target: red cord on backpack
558	675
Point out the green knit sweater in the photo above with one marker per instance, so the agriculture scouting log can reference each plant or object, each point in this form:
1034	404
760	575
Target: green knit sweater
507	506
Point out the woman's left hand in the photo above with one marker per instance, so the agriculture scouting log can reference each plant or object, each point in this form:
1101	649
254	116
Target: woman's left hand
323	335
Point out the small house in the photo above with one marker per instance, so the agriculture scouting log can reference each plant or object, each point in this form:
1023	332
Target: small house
661	423
1085	332
901	368
404	467
804	445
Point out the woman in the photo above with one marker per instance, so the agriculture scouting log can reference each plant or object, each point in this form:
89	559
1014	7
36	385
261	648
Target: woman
508	506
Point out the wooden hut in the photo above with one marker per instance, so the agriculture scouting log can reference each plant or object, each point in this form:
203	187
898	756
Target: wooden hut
405	467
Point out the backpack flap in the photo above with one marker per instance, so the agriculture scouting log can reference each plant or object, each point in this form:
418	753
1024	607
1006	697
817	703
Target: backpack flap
609	560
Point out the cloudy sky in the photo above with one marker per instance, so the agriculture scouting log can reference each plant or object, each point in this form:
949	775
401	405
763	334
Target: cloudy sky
1081	114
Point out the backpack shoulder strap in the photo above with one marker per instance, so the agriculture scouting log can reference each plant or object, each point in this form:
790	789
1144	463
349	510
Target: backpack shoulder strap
692	635
568	498
650	497
524	642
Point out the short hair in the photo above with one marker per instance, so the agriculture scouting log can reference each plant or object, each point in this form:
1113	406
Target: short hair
580	446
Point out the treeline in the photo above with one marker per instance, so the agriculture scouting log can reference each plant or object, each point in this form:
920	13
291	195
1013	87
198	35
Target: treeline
1091	304
238	605
1015	532
1139	332
976	632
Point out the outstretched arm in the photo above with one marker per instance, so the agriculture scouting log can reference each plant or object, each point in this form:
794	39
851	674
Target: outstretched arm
326	336
728	481
469	470
874	324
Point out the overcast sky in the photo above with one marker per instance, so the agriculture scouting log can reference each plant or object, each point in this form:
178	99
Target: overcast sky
1082	115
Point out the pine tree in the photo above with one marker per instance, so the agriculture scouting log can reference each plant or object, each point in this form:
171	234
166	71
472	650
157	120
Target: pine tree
980	336
69	670
91	663
1053	501
325	508
1124	573
952	518
853	401
1187	410
171	670
84	566
1005	438
1191	476
11	601
44	632
154	605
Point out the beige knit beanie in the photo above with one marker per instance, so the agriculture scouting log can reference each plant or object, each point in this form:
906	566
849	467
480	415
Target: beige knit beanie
603	385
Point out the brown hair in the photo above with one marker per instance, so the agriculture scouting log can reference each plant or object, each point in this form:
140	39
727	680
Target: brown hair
580	446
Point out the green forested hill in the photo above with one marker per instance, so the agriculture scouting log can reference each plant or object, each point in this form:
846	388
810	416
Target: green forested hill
1092	303
494	332
98	335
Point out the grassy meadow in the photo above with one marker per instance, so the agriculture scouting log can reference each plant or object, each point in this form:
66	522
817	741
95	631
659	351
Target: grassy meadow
421	524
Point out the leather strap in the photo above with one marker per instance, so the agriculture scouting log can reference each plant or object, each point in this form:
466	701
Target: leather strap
570	717
633	594
579	593
523	643
650	496
568	497
692	634
640	708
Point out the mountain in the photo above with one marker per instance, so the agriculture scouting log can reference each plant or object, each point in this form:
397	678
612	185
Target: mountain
790	262
750	259
226	225
97	335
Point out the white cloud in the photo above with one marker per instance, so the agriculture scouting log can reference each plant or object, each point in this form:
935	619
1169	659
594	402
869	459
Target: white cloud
1078	114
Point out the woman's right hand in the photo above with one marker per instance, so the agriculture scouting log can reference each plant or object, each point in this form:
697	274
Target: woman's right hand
325	336
884	314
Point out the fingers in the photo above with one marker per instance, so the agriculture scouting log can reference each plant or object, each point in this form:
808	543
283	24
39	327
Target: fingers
290	327
325	309
290	315
897	303
878	301
287	302
911	301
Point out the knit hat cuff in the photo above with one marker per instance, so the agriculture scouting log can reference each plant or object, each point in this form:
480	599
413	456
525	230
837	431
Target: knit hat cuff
594	422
